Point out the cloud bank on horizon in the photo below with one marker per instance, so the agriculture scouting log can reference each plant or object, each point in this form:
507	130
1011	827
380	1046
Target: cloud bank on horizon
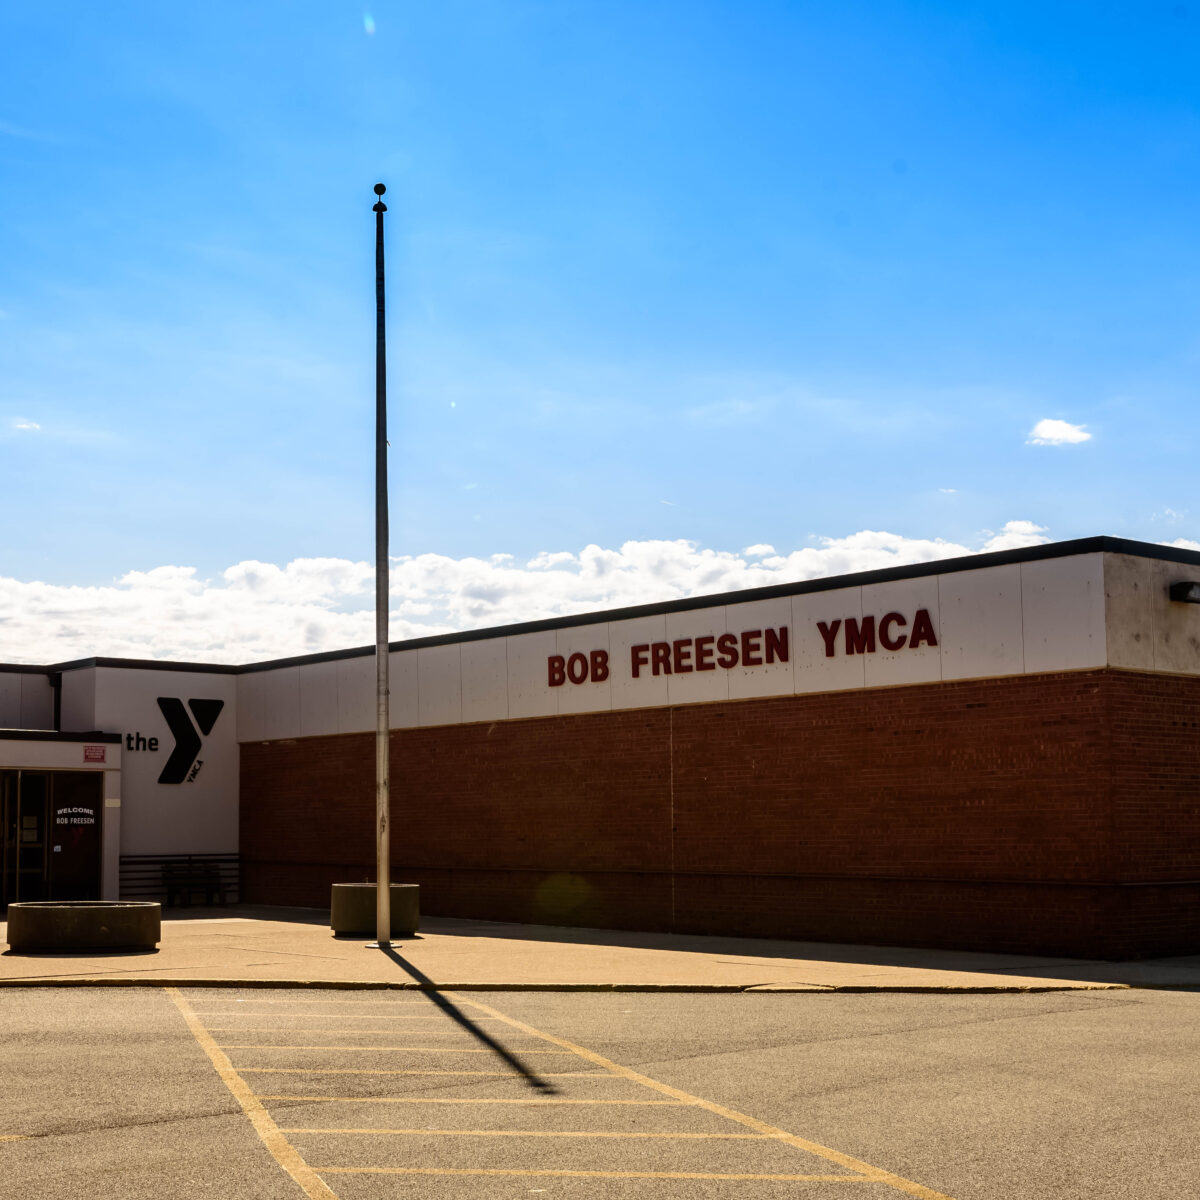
256	611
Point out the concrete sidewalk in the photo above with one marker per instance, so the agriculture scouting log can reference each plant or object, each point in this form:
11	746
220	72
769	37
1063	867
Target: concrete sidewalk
276	947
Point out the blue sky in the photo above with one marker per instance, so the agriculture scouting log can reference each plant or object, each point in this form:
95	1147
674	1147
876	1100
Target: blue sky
738	274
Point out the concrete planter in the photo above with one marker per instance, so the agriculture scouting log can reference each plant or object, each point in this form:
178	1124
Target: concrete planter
352	908
84	925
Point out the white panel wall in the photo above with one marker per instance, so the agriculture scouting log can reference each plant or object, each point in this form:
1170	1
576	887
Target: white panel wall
1064	614
1129	612
37	702
439	685
1146	630
529	692
591	696
484	679
356	694
251	706
887	668
980	626
815	671
1176	626
692	686
318	699
78	704
61	756
281	703
769	679
10	699
194	817
648	690
404	708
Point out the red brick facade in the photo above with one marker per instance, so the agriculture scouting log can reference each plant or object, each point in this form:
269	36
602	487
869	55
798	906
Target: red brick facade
1052	813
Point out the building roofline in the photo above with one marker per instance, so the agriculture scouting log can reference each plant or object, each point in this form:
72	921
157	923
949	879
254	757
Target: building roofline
53	735
942	566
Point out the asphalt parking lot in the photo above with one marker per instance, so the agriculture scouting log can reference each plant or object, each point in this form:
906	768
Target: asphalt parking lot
140	1092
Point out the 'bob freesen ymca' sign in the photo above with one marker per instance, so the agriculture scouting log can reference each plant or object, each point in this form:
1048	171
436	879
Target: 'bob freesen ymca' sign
751	648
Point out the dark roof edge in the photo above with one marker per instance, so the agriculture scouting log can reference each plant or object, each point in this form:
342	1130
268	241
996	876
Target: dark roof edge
149	664
52	735
941	566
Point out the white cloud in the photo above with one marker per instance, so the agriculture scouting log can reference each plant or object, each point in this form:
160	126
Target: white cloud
255	610
948	491
25	423
1052	432
1015	535
1183	544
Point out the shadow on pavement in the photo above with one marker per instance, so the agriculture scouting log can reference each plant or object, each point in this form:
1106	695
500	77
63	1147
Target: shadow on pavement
95	952
929	958
460	1018
1174	973
246	912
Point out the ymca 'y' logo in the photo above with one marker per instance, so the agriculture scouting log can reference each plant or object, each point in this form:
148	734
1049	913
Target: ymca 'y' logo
187	741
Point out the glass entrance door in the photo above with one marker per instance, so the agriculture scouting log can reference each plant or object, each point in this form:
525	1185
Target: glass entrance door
24	817
8	836
50	835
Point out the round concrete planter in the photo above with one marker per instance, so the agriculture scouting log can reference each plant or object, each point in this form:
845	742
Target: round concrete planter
352	908
84	925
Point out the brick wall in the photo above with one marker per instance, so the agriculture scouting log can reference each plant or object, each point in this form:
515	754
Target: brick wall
993	814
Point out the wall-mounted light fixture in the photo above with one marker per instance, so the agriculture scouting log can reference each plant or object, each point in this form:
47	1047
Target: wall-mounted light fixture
1185	592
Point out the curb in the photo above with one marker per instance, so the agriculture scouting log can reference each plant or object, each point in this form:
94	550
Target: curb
665	988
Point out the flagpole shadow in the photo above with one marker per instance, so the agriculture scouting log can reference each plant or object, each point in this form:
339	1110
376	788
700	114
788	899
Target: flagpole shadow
460	1018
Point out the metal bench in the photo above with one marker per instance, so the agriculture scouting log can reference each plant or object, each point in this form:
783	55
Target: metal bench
181	879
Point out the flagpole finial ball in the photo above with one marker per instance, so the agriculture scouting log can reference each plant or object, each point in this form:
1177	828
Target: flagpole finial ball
379	189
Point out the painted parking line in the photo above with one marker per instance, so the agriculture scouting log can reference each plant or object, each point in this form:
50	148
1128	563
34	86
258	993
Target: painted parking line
525	1133
341	1017
414	1049
544	1172
323	1003
341	1029
664	1096
280	1149
471	1100
865	1169
411	1071
455	1042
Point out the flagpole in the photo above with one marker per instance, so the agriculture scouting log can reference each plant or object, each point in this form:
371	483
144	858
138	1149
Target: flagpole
383	897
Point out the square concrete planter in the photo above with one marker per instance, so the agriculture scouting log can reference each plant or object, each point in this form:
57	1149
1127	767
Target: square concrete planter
352	908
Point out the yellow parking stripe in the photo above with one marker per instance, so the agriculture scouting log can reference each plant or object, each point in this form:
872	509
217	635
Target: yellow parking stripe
419	1049
469	1100
281	1150
413	1071
342	1016
424	1033
542	1173
874	1174
325	1003
749	1137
